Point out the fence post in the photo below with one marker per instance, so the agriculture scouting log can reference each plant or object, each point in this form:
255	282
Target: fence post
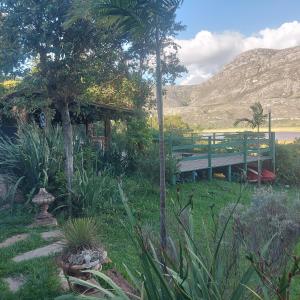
229	173
259	167
273	153
209	158
245	153
214	138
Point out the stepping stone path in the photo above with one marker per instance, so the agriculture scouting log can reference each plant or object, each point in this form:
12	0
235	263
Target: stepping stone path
14	239
39	252
49	235
16	282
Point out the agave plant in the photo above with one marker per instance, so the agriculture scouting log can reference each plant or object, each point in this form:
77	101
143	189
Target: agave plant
80	234
188	271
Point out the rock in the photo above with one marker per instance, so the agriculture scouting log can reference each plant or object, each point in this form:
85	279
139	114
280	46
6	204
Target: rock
15	283
63	280
39	252
14	239
54	234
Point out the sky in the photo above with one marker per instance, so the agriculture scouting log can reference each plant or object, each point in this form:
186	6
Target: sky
219	30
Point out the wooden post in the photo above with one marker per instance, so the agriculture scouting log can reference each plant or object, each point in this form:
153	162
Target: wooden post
214	138
87	128
194	174
171	142
209	159
258	162
173	179
107	134
270	123
273	153
245	153
229	177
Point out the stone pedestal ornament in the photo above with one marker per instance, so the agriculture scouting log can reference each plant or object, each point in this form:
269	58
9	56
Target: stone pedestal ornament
43	199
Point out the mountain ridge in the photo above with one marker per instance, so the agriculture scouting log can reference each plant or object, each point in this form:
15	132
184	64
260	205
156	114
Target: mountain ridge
270	76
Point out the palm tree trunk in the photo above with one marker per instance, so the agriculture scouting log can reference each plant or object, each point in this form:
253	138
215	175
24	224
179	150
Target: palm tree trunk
162	167
68	148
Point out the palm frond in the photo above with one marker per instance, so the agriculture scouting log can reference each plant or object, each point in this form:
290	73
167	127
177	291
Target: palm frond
244	120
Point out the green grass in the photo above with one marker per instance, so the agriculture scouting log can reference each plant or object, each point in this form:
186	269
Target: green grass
41	274
145	206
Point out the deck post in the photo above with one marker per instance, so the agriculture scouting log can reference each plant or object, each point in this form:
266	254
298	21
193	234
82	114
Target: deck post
245	152
173	179
229	177
194	175
209	158
273	153
171	142
259	162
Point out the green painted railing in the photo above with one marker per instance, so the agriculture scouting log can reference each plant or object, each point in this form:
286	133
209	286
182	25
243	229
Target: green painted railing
208	146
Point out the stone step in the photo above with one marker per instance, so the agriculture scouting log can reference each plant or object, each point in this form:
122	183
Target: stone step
54	234
14	239
40	252
15	283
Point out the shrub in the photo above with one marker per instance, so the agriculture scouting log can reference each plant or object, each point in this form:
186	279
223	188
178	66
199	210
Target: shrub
80	234
288	163
92	192
147	165
34	154
269	229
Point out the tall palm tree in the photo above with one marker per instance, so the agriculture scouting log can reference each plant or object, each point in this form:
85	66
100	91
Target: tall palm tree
258	117
140	19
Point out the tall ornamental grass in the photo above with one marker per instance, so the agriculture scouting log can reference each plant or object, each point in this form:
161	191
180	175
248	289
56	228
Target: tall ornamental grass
34	154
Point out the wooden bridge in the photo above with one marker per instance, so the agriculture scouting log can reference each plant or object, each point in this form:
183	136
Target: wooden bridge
219	151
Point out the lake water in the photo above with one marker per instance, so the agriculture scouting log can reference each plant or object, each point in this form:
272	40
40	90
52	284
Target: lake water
287	136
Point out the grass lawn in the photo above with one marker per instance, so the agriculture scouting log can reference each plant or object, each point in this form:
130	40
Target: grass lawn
41	274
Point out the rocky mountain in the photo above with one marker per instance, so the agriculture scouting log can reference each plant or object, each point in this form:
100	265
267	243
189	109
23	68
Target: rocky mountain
266	75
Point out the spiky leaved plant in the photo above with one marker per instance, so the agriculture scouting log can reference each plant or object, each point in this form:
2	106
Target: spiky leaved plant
80	234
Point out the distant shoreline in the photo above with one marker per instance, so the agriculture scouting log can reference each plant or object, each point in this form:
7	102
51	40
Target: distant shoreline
263	129
282	134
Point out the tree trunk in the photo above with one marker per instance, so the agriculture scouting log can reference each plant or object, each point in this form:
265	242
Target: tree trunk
68	148
163	231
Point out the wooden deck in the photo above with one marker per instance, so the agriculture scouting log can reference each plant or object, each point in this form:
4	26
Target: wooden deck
207	152
202	164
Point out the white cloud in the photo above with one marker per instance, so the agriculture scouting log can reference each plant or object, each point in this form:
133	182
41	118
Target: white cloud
207	52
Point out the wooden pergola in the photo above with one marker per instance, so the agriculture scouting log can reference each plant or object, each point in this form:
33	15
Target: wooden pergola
91	112
81	112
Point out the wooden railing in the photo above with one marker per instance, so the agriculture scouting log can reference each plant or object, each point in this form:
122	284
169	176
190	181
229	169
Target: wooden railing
208	146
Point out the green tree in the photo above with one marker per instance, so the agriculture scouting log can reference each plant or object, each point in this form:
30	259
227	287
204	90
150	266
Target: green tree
258	117
149	25
68	56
